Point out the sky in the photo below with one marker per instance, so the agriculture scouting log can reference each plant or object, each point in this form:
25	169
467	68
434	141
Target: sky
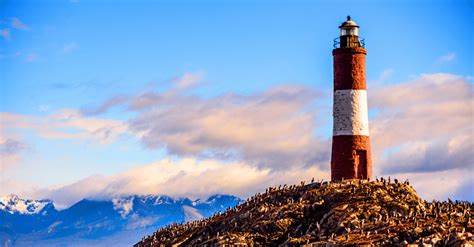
192	98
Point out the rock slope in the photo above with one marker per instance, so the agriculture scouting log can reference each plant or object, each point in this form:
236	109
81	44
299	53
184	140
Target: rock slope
380	212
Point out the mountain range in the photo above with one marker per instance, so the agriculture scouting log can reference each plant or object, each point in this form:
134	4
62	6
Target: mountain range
120	221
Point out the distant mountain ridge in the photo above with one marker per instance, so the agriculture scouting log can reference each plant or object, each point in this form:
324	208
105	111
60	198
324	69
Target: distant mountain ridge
24	222
13	204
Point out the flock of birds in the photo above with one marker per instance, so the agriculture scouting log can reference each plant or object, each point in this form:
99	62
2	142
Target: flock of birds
378	212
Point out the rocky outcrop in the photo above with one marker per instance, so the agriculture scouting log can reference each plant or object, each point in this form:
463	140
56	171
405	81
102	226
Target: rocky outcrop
381	212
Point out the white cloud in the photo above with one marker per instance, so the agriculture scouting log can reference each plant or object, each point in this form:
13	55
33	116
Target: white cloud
66	124
271	128
10	146
13	22
32	57
44	108
5	33
106	105
439	185
123	205
149	98
240	144
13	186
386	74
18	24
71	46
184	177
188	80
12	149
424	132
424	124
447	58
191	214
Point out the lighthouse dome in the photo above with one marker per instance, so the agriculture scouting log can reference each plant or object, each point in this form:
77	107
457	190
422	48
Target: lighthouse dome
349	23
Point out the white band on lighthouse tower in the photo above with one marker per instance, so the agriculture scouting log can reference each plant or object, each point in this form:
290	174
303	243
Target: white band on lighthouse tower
350	113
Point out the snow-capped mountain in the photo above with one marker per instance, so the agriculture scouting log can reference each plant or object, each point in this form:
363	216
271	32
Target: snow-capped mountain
14	205
98	222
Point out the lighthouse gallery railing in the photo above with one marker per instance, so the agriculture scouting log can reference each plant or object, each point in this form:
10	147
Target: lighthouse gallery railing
359	42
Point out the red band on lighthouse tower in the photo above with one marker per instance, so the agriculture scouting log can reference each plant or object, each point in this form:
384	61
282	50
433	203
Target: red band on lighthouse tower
350	143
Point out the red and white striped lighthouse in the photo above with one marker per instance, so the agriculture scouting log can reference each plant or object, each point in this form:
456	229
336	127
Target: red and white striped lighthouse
350	156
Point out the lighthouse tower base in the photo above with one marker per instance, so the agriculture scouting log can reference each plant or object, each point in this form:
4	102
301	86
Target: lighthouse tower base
350	156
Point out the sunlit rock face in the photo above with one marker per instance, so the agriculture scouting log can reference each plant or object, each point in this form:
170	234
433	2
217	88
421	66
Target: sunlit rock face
349	212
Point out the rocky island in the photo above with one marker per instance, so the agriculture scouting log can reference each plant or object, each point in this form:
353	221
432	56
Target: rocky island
381	212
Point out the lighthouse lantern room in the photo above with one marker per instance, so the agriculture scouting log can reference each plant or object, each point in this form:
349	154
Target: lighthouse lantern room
349	35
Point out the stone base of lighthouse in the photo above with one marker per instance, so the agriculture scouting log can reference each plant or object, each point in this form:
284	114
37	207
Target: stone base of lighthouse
350	157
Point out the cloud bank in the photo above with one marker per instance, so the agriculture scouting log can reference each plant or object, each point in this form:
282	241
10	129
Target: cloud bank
11	150
424	124
14	23
447	58
420	130
179	178
272	128
66	124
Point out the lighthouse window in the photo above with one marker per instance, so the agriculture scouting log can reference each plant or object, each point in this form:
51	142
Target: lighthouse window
349	31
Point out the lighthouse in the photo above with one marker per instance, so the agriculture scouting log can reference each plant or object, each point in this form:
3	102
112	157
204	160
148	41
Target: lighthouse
350	156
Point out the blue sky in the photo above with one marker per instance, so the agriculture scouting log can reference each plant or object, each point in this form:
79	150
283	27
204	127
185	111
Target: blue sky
73	56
